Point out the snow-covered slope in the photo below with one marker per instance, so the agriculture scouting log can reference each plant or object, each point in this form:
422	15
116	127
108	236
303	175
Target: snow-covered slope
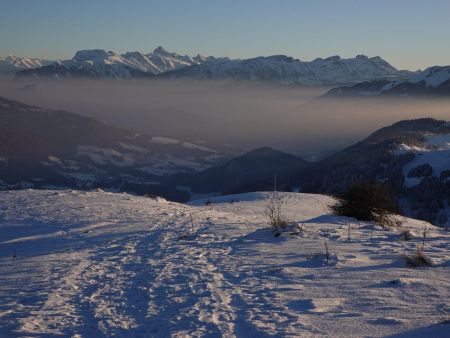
431	160
427	175
287	70
434	81
95	264
12	63
95	63
101	64
388	155
167	61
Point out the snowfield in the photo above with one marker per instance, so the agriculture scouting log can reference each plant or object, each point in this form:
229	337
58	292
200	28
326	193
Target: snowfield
12	63
436	153
95	264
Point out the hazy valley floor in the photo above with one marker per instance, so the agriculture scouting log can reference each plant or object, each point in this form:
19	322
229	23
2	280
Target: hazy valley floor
101	264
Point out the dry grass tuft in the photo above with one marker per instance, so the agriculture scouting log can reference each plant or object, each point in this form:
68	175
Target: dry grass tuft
406	235
419	259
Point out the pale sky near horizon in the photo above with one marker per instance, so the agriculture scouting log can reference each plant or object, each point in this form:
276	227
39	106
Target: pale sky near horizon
410	34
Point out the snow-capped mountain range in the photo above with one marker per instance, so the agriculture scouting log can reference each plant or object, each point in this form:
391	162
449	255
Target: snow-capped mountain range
434	81
98	63
12	64
287	70
160	63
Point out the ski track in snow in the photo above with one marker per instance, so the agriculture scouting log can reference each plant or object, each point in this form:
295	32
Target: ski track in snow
95	264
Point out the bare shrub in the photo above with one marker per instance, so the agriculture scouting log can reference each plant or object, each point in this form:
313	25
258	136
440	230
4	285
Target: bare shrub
275	213
348	232
327	252
424	236
419	258
323	258
188	232
191	221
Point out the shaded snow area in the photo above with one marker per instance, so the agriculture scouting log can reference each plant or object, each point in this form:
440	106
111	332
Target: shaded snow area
435	152
96	264
432	76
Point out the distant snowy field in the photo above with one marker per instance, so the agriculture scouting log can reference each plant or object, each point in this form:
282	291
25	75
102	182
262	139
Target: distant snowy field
94	264
436	153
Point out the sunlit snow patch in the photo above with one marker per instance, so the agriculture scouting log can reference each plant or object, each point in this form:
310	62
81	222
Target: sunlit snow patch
435	153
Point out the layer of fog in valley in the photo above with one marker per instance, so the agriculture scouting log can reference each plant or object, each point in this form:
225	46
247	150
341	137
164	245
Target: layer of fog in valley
242	115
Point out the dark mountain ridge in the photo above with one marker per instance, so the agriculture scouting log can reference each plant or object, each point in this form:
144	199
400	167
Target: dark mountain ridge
42	148
383	156
253	171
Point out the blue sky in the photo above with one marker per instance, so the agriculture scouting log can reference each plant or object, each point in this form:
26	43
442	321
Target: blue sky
410	34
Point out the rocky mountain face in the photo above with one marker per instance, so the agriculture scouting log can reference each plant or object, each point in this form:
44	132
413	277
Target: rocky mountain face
287	70
412	157
45	148
99	63
434	81
165	61
11	64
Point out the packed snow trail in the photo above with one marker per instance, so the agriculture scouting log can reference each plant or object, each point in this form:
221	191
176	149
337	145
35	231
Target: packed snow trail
96	264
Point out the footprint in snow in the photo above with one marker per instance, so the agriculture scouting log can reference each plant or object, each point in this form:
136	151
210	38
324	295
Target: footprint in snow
385	321
301	305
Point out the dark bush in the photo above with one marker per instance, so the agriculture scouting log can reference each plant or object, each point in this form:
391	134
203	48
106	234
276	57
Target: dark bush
367	201
423	170
445	174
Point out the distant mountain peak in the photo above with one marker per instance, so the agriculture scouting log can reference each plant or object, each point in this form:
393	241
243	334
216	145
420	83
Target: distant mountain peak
135	53
334	58
88	54
281	58
161	50
263	151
